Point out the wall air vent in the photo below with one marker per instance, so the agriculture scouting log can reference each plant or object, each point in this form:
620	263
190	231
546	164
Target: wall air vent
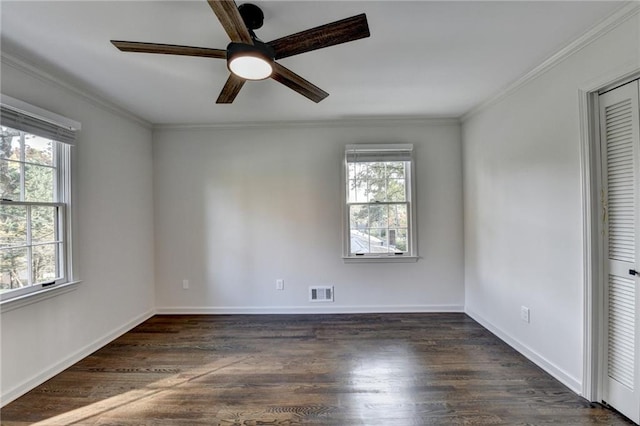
321	294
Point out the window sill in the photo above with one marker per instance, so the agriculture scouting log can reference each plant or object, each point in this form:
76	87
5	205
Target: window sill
380	259
37	296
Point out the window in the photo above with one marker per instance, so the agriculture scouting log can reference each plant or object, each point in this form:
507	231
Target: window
35	188
379	213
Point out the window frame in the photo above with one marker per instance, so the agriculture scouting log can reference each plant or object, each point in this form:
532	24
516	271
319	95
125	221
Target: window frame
385	152
47	125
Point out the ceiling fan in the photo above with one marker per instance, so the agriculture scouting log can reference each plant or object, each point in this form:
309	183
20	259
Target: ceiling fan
249	58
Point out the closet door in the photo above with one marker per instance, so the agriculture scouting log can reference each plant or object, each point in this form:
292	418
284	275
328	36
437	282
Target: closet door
620	140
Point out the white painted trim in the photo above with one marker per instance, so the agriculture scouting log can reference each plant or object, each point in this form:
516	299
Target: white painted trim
620	15
589	245
346	122
37	296
271	310
36	380
394	147
623	74
39	113
591	252
25	67
557	372
380	259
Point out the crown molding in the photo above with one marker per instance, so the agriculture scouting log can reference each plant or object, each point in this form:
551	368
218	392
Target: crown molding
24	66
620	15
338	122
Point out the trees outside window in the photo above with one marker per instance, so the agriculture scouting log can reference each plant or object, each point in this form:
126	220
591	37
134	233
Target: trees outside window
378	200
29	216
34	200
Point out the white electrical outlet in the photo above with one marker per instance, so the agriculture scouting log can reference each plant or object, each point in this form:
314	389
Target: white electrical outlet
525	315
279	284
185	284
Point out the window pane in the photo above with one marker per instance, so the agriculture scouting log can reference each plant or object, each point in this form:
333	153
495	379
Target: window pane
351	191
378	241
45	264
395	170
398	216
361	170
39	184
392	239
13	269
360	182
376	181
359	241
9	143
379	224
10	180
358	217
357	191
43	224
398	240
377	190
396	190
351	170
379	216
13	225
38	150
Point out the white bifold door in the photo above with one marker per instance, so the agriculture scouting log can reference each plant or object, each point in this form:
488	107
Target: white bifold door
620	144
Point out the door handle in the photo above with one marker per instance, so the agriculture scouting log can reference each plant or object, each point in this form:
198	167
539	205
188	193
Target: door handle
633	272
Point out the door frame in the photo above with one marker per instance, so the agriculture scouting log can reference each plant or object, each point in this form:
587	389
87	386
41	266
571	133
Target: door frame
592	253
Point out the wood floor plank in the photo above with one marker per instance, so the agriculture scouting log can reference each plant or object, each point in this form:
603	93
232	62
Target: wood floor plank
367	369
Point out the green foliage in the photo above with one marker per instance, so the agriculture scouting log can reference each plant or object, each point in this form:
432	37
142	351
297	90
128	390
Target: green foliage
9	174
38	187
383	227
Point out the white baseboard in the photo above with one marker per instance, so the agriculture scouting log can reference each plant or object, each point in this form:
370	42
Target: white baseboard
38	379
324	309
571	382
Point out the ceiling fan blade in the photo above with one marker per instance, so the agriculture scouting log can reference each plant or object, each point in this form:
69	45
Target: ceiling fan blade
231	20
231	89
343	31
168	49
294	81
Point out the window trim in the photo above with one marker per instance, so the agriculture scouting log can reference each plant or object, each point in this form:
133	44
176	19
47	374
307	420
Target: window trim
412	253
64	177
38	295
60	242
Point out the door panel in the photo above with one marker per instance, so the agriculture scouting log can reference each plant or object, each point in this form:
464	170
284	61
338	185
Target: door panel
620	152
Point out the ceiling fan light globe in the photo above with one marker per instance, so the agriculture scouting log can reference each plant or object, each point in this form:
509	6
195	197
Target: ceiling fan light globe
250	67
250	61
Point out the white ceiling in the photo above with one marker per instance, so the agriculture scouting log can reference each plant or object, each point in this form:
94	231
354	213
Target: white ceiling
423	59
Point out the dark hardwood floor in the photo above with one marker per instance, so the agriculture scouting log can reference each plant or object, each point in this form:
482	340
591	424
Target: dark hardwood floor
387	369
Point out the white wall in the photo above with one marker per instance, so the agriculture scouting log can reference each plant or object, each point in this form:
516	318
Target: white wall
114	240
523	206
236	209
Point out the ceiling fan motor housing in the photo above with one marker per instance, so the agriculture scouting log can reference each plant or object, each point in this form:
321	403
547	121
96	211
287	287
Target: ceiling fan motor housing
251	15
258	48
